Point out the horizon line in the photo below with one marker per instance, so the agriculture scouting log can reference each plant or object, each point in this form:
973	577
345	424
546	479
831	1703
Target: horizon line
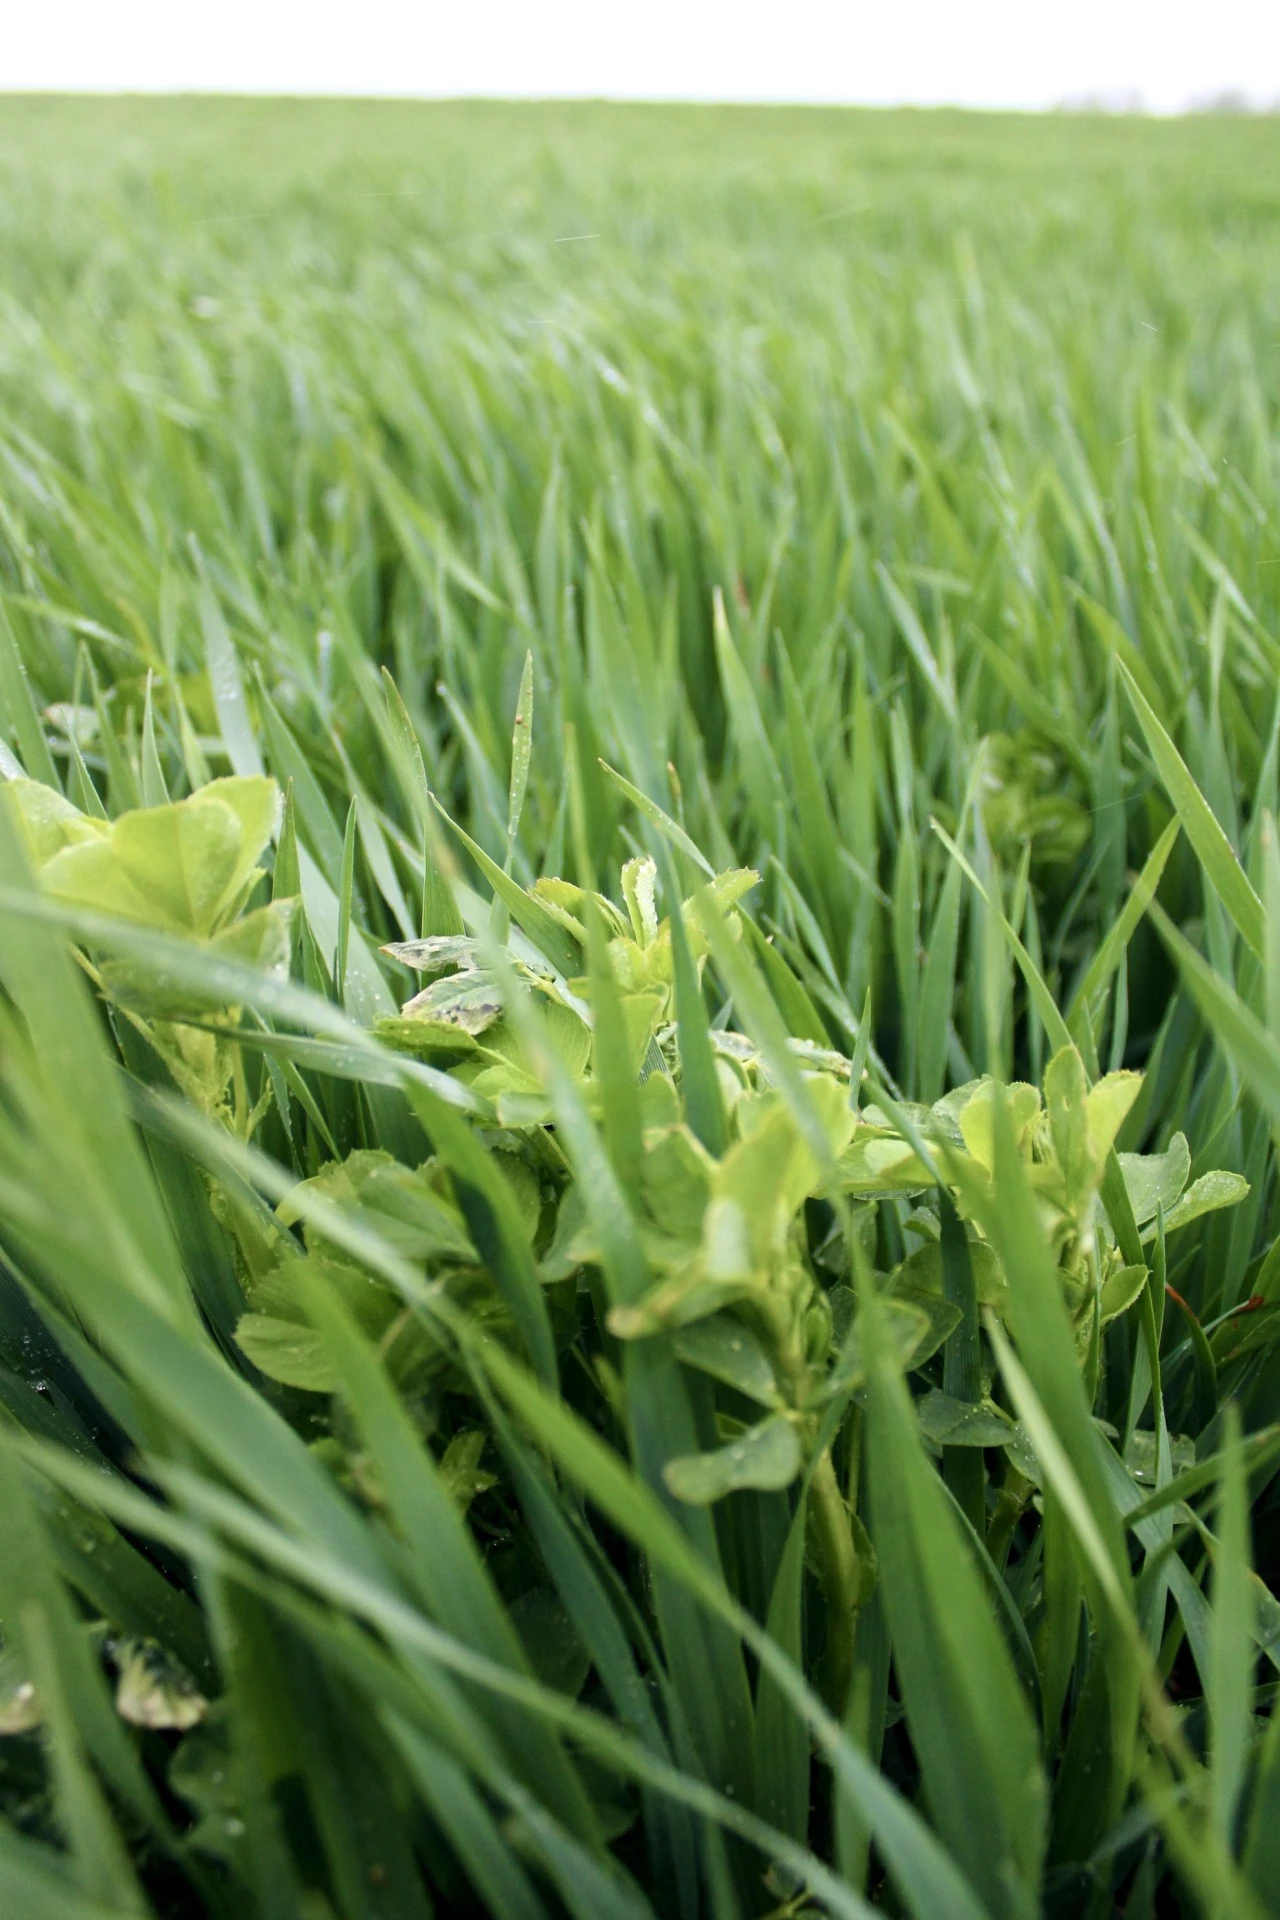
1106	103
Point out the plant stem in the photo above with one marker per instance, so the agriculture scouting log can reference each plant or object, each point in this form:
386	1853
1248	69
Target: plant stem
835	1559
1014	1494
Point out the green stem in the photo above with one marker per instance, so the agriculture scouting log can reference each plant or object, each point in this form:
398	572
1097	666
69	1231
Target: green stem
1014	1494
836	1561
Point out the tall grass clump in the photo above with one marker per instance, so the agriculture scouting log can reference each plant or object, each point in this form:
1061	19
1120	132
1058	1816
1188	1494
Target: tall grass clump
639	1014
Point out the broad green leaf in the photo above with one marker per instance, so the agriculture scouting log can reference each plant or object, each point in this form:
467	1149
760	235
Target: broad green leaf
183	867
1155	1180
764	1456
284	1351
728	1350
1206	1195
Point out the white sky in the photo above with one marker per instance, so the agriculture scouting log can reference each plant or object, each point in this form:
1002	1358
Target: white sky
1017	53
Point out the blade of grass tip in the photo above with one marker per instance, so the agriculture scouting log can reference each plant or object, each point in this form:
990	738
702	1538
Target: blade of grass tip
553	941
11	768
521	749
1214	851
700	1080
18	700
225	679
286	879
650	810
762	778
346	889
1115	943
155	791
1228	1683
970	1722
861	1051
87	795
440	913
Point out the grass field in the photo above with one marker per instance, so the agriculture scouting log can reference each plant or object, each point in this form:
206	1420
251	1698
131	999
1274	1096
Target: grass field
639	1013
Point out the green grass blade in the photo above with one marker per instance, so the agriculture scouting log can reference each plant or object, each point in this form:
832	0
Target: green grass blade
1214	851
